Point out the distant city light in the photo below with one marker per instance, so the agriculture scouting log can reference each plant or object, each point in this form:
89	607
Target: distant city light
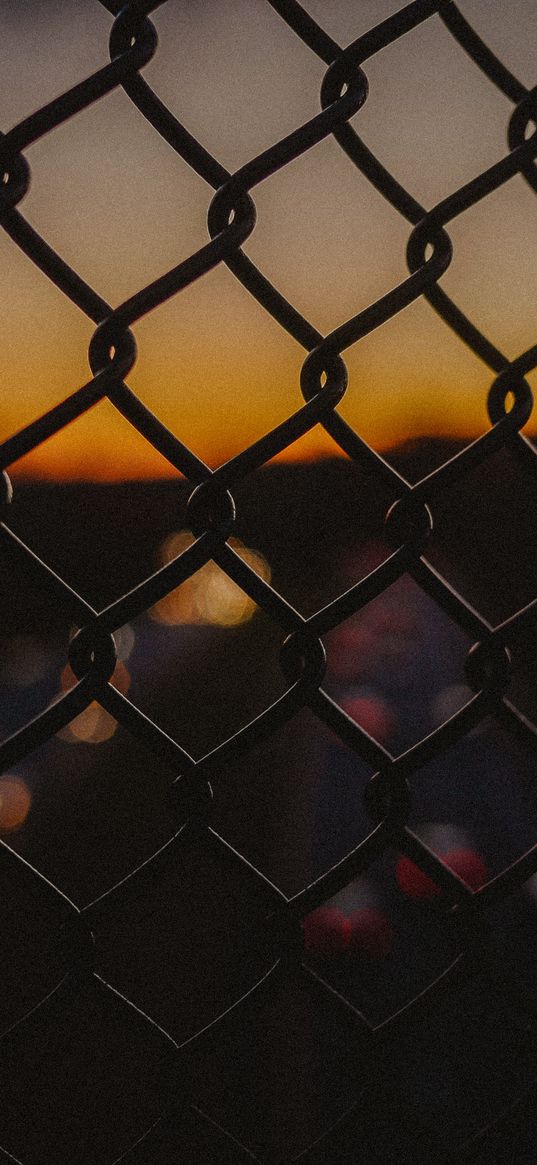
15	803
95	724
209	598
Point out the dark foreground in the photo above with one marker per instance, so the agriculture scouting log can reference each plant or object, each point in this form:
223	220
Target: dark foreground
85	1076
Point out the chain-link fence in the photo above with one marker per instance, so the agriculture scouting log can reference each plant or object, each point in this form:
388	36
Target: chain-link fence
184	1099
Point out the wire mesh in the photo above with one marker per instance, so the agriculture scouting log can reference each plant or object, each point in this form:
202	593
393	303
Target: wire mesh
174	1116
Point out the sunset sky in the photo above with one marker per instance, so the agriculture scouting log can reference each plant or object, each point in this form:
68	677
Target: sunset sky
121	207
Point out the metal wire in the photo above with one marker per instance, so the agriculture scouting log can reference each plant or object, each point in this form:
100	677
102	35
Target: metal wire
211	514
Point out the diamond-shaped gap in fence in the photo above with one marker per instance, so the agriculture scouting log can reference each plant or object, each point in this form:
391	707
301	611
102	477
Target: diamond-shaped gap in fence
89	806
185	943
207	661
102	806
143	209
79	528
396	667
213	343
76	1078
307	517
377	947
309	238
431	117
249	104
293	1053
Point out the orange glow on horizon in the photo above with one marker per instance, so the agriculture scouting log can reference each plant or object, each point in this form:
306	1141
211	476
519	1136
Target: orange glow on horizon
83	461
101	445
221	392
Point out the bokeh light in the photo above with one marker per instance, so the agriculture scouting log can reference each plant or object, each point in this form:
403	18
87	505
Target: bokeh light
15	803
94	725
209	598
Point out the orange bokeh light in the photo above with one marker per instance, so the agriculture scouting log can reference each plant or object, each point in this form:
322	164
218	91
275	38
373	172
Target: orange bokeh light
209	598
94	725
15	803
